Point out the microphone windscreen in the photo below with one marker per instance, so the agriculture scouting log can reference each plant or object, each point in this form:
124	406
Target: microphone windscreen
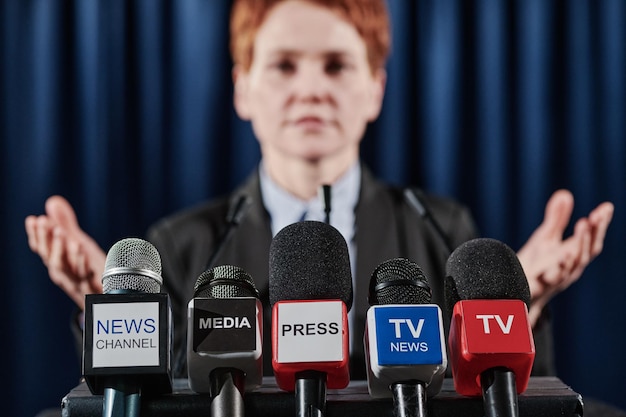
132	264
399	281
309	261
484	269
225	281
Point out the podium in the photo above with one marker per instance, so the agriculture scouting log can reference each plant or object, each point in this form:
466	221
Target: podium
545	396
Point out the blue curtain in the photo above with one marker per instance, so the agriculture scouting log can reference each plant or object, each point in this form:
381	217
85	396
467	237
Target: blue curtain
125	108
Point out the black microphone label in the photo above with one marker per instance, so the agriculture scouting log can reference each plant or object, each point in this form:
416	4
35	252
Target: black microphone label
224	324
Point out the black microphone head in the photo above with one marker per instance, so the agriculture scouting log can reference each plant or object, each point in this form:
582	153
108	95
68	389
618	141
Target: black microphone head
225	281
309	261
484	269
132	265
399	281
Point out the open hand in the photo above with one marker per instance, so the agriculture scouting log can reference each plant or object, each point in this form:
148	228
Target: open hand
75	261
552	263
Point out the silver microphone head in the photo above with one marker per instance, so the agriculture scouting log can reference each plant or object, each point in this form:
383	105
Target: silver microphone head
132	265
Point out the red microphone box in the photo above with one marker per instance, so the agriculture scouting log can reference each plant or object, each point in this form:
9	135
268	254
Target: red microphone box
310	335
487	334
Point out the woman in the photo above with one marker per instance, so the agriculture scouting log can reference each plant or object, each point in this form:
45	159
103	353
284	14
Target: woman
309	76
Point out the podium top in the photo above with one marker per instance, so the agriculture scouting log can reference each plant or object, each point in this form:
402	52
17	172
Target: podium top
545	396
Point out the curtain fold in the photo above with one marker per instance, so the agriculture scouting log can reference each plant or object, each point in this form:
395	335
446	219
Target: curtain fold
125	108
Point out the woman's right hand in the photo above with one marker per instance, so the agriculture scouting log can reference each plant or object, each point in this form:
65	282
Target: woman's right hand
74	260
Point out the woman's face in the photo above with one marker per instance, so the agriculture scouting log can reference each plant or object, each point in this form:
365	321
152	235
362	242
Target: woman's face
309	92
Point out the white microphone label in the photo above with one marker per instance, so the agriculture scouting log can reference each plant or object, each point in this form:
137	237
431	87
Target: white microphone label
310	331
125	334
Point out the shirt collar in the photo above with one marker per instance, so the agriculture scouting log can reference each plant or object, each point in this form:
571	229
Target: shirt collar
285	208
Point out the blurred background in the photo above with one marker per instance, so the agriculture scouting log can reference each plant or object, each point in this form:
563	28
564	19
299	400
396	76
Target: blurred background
124	107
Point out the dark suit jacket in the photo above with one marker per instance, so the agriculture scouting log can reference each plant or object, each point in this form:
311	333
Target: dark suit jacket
386	227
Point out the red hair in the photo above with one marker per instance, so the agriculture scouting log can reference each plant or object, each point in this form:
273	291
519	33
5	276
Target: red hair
369	17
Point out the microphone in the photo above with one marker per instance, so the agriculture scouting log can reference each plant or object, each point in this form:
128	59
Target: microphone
325	197
404	338
415	199
491	343
310	289
224	346
127	340
235	215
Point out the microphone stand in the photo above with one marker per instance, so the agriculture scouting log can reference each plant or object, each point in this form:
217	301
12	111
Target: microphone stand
409	399
227	388
310	394
122	398
499	393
